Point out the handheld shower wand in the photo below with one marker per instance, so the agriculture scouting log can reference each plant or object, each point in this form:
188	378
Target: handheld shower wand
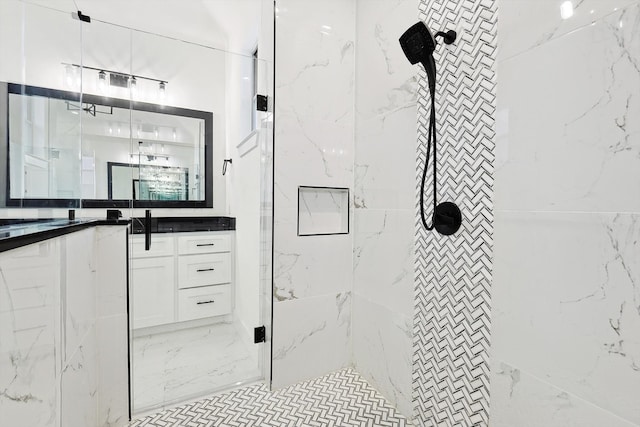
418	45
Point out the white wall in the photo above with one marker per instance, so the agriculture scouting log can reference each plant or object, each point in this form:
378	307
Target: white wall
566	295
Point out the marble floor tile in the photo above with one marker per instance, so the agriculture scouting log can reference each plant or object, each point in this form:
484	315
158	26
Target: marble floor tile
342	398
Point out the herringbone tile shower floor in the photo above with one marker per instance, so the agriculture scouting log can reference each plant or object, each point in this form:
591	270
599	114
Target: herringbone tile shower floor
338	399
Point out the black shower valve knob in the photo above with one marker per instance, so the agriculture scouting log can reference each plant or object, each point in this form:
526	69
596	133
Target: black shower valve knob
447	218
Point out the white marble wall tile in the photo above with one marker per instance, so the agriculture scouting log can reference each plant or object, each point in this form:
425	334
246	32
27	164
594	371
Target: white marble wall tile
385	160
30	335
385	81
569	138
315	86
566	303
168	368
78	288
527	24
382	350
311	266
312	337
386	90
520	399
113	371
384	198
111	270
314	139
384	258
79	384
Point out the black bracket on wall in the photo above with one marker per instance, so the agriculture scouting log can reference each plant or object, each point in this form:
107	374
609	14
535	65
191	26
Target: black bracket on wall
81	17
262	103
259	334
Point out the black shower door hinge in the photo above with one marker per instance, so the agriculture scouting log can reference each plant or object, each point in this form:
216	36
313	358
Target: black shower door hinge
262	103
84	18
259	334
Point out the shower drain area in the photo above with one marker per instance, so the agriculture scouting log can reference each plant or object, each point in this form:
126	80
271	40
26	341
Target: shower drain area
342	398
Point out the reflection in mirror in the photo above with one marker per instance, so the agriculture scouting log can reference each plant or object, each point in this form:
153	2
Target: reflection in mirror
147	182
96	151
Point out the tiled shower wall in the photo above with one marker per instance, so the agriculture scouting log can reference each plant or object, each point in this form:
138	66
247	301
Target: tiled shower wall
331	309
453	274
314	84
566	292
385	151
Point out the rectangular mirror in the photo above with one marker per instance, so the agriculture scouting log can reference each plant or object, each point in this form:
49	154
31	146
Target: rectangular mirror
131	152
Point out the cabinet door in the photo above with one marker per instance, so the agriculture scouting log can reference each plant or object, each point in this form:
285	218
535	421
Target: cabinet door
152	284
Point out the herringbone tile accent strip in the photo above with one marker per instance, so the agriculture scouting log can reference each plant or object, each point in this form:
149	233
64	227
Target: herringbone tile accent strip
338	399
453	274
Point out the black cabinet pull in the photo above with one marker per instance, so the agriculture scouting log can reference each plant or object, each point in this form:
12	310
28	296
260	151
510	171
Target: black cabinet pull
147	230
206	244
205	302
200	270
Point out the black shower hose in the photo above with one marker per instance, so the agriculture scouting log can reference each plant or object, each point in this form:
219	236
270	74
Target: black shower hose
431	136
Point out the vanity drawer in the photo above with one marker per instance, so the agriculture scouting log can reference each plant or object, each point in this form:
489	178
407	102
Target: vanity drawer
204	243
203	270
160	246
204	302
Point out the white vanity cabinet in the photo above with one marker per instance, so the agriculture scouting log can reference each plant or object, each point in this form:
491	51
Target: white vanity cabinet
183	277
152	277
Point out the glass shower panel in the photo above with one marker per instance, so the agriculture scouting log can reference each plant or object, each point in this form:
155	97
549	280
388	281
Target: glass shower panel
108	146
42	135
192	330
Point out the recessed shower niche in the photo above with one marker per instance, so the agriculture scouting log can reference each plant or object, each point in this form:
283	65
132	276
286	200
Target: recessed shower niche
323	211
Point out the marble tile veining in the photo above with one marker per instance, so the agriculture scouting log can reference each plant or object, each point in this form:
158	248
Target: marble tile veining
173	367
314	134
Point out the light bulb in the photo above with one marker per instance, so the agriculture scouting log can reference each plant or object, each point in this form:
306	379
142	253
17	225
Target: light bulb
566	10
102	81
68	75
163	90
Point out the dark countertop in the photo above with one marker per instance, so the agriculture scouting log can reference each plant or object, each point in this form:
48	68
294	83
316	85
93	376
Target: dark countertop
15	233
171	224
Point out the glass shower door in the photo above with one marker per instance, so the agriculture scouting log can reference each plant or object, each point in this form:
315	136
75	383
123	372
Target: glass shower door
195	293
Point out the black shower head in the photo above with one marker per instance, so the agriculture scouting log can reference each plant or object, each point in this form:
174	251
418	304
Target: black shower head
418	43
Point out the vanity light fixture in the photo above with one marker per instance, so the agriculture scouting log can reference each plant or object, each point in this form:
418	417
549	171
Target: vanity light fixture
150	157
107	78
